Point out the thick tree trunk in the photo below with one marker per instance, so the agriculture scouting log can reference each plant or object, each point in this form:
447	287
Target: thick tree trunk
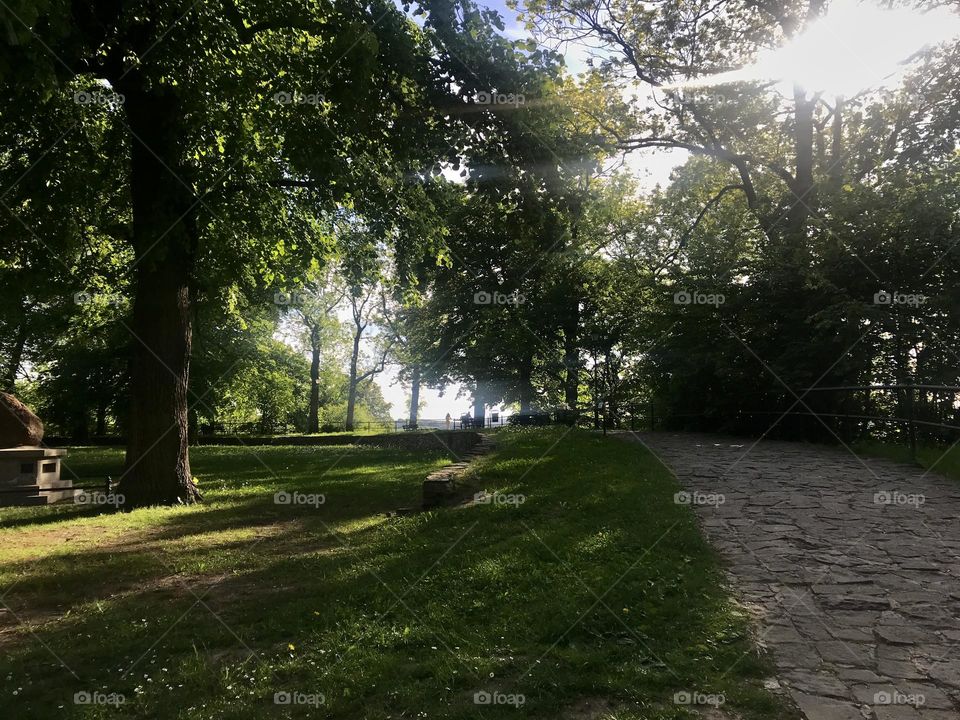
803	196
313	416
352	388
479	406
16	358
414	396
157	469
81	429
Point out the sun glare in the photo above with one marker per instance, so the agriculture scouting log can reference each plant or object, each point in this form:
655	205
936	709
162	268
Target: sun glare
854	47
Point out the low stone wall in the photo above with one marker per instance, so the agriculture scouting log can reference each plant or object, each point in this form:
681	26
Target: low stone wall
451	440
458	441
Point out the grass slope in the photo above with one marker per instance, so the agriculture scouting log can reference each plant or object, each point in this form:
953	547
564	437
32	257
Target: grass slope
942	460
594	597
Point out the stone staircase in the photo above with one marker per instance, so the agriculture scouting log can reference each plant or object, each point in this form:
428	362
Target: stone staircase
440	487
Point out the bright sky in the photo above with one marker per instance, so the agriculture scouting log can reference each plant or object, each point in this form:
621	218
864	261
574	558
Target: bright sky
856	46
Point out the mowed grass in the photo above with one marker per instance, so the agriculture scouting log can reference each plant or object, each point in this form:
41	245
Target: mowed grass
594	597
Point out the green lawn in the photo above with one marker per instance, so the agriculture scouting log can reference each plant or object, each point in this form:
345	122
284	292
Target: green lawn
942	460
596	597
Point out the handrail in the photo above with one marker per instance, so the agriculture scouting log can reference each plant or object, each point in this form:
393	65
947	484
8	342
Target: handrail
853	417
901	386
910	391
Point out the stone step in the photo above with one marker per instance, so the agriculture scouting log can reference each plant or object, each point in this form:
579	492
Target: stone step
38	495
439	485
27	484
21	500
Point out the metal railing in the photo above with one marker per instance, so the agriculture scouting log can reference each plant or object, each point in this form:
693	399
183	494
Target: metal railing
466	422
910	412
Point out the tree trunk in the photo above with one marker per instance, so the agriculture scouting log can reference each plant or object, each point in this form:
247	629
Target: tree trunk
571	359
81	429
157	468
836	148
352	387
596	395
101	421
16	358
313	416
479	406
414	396
526	384
802	198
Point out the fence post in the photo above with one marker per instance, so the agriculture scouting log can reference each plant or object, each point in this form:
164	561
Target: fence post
652	427
911	418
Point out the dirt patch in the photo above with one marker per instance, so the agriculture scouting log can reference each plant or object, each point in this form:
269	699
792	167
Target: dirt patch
588	709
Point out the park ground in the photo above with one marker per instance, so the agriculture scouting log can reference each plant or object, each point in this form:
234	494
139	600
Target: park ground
583	591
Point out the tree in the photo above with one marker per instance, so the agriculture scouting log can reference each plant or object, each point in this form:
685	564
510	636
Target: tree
314	308
217	174
364	309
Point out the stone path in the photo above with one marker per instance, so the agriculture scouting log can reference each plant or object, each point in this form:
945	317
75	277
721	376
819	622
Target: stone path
853	568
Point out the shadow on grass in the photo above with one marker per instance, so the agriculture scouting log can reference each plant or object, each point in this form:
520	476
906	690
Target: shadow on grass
596	585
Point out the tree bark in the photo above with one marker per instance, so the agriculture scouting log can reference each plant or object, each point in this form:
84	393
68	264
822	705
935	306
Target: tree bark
571	358
479	406
526	384
157	468
16	358
313	416
101	429
414	396
352	388
802	198
836	145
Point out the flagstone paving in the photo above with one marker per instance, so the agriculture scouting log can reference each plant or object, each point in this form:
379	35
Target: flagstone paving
851	565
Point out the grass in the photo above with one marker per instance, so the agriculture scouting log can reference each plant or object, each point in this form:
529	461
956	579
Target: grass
942	460
594	597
